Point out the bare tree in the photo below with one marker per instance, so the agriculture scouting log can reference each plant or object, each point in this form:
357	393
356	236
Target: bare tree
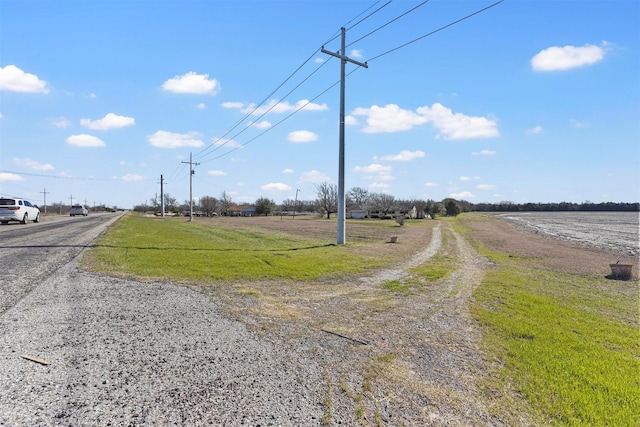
327	200
383	202
225	203
208	205
358	197
288	205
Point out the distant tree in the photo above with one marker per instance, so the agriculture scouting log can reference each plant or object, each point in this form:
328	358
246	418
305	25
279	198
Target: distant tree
265	206
405	205
208	205
170	203
452	208
142	208
327	201
288	205
225	203
358	197
383	202
433	208
420	208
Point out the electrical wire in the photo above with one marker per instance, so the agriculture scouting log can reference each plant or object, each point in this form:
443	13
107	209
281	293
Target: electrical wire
214	147
436	31
389	23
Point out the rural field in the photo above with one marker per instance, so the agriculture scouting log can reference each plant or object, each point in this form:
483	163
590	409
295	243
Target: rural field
473	320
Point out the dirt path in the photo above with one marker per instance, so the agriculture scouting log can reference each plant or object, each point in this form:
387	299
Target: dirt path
390	359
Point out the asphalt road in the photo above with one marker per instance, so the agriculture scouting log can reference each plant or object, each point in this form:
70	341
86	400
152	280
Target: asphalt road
30	253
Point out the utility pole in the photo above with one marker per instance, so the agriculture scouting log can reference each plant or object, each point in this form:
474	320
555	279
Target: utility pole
45	192
342	55
191	172
295	204
162	196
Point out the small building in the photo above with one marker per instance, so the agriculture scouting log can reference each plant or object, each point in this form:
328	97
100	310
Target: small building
358	213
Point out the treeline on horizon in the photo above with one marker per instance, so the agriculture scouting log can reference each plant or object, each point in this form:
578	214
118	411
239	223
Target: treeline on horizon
550	207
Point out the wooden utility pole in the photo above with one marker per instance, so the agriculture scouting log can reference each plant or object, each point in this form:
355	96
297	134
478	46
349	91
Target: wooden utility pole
191	172
45	192
342	55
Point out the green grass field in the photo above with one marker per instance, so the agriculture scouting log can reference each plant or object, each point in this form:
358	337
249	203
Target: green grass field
177	250
569	344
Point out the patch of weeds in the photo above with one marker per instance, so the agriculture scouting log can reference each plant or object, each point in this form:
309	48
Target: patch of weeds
401	287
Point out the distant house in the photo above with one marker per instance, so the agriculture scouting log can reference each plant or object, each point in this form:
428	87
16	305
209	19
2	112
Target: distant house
358	213
248	211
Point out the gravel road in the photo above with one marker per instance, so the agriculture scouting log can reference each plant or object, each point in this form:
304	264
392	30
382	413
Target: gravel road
129	353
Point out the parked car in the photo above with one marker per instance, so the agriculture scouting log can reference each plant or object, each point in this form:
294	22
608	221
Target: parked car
18	210
78	210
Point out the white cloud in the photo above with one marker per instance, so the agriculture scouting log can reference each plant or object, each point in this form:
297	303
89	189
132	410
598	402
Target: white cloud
232	105
61	122
484	153
578	124
276	186
485	187
314	176
373	168
403	156
557	58
32	164
201	106
356	53
377	172
6	176
535	130
84	140
132	177
192	83
430	184
469	178
302	136
462	195
110	121
216	173
261	125
390	118
288	170
454	126
378	185
349	120
1	116
14	79
164	139
276	107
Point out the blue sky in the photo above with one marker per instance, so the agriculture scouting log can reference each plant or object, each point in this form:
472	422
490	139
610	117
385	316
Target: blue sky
528	101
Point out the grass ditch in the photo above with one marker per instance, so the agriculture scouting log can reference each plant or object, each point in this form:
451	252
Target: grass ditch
569	344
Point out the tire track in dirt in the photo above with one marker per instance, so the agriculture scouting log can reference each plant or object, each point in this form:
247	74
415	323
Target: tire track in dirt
450	361
402	271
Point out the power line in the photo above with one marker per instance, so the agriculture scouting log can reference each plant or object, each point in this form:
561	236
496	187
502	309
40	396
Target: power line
213	147
58	176
436	31
388	23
